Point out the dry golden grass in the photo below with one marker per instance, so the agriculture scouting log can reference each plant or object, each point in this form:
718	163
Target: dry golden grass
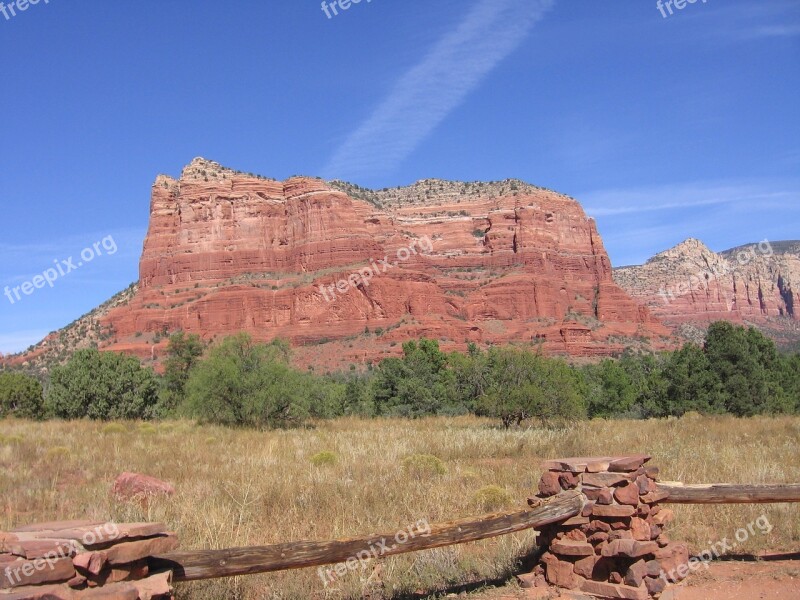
245	487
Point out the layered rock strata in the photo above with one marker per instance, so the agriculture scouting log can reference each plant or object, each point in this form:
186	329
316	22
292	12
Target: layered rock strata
690	284
459	262
71	560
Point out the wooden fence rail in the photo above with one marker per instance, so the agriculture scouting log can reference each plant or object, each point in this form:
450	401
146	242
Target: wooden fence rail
728	493
210	564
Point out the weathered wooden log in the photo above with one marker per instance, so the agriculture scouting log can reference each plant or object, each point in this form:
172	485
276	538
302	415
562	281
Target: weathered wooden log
208	564
728	493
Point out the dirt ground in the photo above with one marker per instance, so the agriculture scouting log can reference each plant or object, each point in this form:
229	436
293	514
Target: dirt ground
775	578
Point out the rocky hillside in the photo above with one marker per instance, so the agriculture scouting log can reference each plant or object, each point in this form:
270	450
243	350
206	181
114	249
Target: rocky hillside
85	332
689	286
347	273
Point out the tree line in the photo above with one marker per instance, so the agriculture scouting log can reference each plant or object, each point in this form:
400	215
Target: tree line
239	382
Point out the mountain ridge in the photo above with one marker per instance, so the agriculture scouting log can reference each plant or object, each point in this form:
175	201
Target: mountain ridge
690	285
568	330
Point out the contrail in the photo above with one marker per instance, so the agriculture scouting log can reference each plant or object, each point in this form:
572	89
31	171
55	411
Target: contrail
424	96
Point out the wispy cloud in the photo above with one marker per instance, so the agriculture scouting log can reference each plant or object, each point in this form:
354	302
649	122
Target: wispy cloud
747	20
636	223
776	31
23	260
75	242
677	197
428	92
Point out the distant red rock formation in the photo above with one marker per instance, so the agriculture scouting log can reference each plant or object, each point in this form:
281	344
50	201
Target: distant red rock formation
691	285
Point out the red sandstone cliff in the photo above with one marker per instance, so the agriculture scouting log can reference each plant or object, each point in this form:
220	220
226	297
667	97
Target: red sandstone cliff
498	262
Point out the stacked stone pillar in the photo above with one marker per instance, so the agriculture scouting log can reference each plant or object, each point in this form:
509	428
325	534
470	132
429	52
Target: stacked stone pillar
617	547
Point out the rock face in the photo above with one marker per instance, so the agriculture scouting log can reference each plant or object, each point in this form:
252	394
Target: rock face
691	285
485	263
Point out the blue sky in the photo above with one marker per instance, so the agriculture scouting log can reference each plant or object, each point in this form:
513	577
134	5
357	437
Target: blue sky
664	128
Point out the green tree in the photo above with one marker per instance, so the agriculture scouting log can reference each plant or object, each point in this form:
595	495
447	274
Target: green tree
358	396
20	396
242	383
326	396
646	374
421	383
522	385
691	384
102	385
749	368
183	352
610	391
790	380
471	372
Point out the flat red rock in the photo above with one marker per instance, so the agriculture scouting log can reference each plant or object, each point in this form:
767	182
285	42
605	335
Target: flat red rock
601	480
128	486
612	510
627	494
629	463
611	590
571	548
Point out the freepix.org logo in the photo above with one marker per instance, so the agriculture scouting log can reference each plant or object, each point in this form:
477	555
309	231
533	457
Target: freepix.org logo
331	9
665	6
61	269
12	9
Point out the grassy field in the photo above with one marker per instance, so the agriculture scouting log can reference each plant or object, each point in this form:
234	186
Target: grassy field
246	487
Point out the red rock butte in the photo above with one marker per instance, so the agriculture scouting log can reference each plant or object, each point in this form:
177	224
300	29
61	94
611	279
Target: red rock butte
494	263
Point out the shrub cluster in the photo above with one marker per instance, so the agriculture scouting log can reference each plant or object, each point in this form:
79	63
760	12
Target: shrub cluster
239	382
20	396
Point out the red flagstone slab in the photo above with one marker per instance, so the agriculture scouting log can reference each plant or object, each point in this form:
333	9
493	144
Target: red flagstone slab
612	510
45	592
56	526
571	548
601	480
31	549
33	572
127	552
610	590
629	463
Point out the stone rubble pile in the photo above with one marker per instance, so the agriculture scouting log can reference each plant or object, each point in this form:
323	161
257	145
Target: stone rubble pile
616	548
77	560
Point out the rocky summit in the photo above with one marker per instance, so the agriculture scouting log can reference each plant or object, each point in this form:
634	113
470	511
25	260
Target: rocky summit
346	274
689	286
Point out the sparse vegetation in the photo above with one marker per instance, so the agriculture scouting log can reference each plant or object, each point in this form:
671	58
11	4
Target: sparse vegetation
324	458
240	487
492	498
242	383
421	465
